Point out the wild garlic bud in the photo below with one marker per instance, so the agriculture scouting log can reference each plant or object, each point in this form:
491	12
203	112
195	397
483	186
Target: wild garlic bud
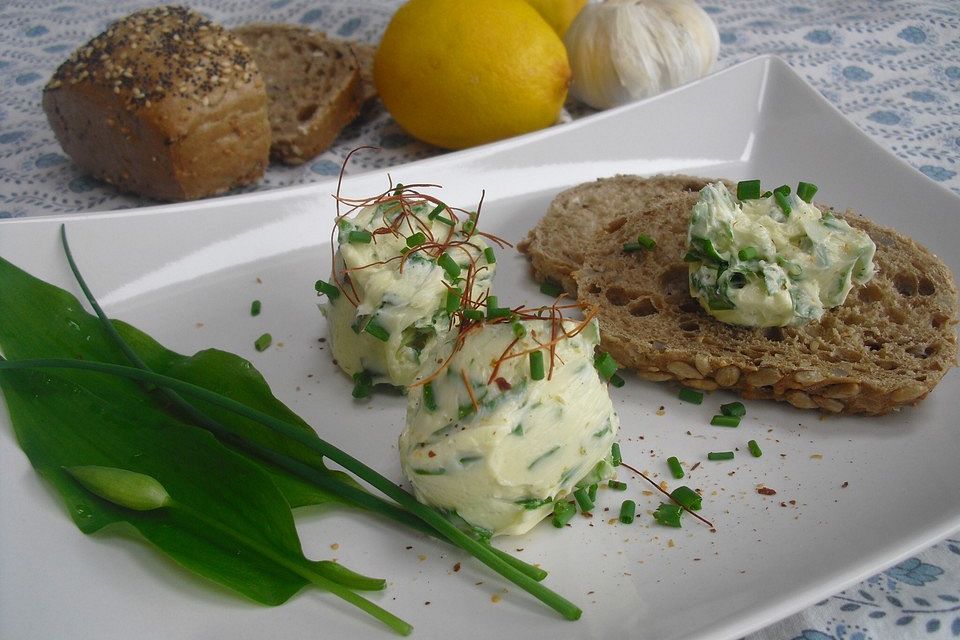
625	50
122	487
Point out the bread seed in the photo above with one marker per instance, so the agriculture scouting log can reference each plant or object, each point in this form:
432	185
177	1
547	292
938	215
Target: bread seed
654	377
763	377
908	392
701	385
828	404
727	376
843	390
808	377
683	370
702	363
800	400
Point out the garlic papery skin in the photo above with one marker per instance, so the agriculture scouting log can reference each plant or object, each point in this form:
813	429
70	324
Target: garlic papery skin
625	50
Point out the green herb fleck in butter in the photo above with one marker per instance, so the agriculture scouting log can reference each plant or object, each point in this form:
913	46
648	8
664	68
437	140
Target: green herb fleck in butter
751	264
529	443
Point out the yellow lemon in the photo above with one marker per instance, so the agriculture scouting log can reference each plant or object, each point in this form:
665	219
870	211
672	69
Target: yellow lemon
558	13
456	73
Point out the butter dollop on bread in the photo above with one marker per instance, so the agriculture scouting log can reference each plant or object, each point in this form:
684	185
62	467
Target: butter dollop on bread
165	104
887	346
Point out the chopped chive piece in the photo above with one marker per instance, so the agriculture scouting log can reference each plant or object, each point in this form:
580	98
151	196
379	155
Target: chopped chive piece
490	256
733	409
632	247
605	364
399	189
616	485
668	514
436	211
675	467
725	421
445	220
263	342
646	242
616	458
720	455
687	497
583	499
429	400
518	329
468	226
449	265
754	449
784	189
404	250
691	395
416	239
536	365
617	381
453	300
720	304
748	190
255	308
550	288
562	512
806	191
473	314
783	202
377	331
492	301
766	194
628	511
327	289
748	253
362	384
498	312
592	492
359	236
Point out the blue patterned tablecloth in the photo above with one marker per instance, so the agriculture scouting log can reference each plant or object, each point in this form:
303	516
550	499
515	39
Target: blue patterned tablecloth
892	67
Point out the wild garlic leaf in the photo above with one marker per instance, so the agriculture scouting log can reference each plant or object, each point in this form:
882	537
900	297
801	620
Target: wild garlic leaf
68	418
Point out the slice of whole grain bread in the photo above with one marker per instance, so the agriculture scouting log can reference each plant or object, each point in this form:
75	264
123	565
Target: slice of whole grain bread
887	346
578	213
314	86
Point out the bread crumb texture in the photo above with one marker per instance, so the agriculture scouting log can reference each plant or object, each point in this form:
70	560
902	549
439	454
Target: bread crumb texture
887	346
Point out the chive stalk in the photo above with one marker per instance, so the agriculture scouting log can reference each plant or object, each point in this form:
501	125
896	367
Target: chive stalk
263	342
359	236
449	265
720	455
806	191
628	511
583	500
327	289
687	497
563	511
748	190
668	514
725	421
255	308
551	288
616	485
754	449
616	458
489	255
536	365
674	464
690	395
733	409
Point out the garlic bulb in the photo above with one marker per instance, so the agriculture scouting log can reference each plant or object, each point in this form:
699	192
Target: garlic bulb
624	50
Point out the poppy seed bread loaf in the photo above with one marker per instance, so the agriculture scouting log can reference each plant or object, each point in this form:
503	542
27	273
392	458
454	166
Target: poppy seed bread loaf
887	346
165	104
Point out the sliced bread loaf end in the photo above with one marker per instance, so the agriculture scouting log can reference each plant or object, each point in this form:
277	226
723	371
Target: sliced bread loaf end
313	84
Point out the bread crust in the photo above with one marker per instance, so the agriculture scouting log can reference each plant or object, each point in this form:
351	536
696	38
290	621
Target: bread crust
314	86
165	104
887	346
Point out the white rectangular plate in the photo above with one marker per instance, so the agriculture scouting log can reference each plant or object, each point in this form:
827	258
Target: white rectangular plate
853	494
